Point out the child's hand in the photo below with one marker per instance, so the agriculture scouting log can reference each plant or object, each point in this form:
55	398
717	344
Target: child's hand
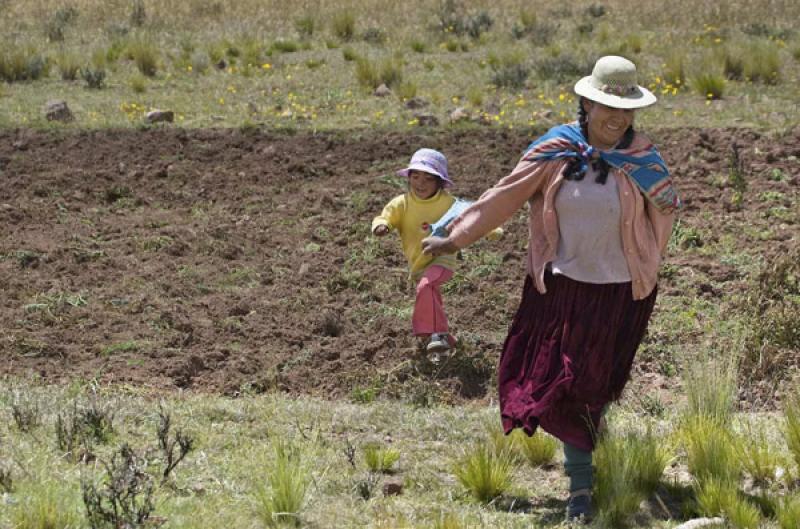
381	230
438	246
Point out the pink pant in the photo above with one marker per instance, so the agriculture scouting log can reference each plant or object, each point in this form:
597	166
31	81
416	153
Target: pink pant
429	316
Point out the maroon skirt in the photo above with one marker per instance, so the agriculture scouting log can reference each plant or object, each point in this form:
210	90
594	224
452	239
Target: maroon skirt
568	354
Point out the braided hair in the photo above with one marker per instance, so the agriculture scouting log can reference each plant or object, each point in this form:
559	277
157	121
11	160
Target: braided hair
573	171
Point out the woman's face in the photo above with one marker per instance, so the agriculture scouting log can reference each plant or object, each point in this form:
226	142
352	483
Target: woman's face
606	125
424	185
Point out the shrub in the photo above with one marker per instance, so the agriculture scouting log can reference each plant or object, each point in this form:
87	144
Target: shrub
145	55
508	70
560	67
25	411
759	458
485	472
379	458
199	62
280	499
713	496
452	18
125	497
615	492
343	24
94	77
55	26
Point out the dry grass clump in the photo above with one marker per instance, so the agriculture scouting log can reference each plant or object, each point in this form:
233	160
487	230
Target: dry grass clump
343	24
371	74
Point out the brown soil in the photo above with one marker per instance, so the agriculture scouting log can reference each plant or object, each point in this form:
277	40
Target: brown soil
222	260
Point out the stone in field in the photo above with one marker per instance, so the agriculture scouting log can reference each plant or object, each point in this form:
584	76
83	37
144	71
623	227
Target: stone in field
57	110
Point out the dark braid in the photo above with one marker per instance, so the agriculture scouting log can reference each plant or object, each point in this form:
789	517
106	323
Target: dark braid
601	166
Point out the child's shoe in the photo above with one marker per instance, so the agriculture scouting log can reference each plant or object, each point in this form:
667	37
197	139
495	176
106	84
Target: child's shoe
579	506
439	343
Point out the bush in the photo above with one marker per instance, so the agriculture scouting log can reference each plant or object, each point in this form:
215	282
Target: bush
374	36
560	67
138	14
371	75
94	77
55	26
343	25
485	472
418	46
508	70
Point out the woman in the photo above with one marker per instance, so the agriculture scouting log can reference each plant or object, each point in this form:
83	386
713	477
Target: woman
601	212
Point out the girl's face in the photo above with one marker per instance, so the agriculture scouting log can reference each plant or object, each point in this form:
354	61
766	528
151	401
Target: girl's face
606	125
423	184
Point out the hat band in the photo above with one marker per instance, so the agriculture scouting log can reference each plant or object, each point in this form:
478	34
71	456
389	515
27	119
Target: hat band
619	90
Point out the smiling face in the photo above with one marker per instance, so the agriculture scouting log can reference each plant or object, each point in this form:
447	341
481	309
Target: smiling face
423	184
606	125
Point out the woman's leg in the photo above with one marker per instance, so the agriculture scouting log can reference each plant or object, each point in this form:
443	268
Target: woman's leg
429	316
578	466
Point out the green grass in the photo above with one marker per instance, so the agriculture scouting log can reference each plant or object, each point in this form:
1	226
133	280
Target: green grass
176	47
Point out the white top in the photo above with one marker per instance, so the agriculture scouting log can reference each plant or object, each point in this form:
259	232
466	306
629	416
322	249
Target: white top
590	243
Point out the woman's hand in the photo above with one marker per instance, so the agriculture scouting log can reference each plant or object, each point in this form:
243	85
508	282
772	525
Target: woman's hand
438	246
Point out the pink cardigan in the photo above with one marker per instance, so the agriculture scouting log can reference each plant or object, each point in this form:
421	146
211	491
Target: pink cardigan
645	229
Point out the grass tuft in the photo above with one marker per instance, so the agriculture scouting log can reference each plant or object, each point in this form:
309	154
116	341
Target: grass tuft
485	472
343	24
615	492
280	499
711	450
380	459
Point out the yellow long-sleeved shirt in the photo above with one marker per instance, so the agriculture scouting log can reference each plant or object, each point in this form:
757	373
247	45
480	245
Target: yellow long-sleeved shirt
412	216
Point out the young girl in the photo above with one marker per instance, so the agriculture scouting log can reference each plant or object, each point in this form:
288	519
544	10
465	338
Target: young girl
412	214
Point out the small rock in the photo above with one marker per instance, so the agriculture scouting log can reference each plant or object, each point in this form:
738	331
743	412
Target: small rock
198	489
57	110
392	487
415	103
459	114
221	65
160	116
240	174
702	522
303	270
427	120
382	91
121	167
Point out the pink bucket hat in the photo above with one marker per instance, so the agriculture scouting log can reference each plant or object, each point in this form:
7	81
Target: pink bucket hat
429	161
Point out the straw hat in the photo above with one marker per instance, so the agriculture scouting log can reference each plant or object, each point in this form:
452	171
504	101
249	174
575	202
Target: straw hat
613	83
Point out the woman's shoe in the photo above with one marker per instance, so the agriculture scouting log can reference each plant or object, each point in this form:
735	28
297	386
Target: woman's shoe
579	506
